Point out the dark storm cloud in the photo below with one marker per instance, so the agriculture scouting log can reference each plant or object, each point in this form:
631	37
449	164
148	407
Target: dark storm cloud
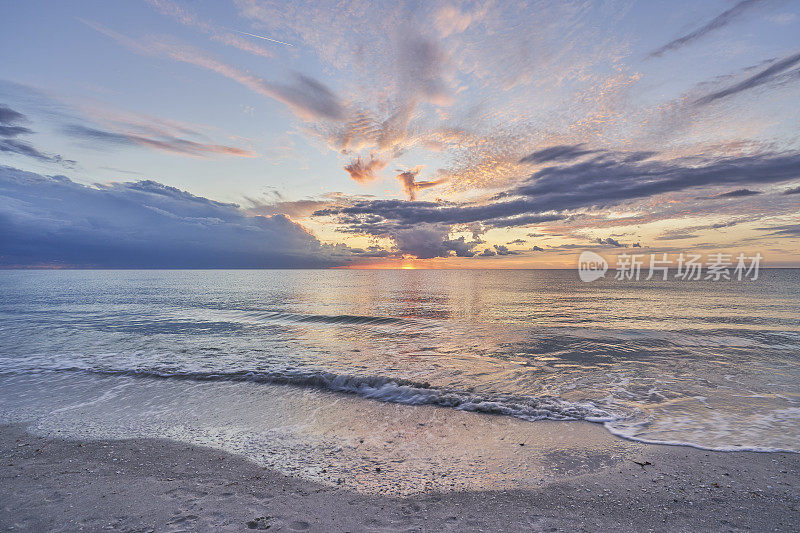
523	220
611	242
738	193
769	74
607	180
166	143
10	130
564	152
616	244
503	250
55	221
723	19
409	214
429	241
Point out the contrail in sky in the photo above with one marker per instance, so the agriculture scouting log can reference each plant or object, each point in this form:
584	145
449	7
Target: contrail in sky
262	37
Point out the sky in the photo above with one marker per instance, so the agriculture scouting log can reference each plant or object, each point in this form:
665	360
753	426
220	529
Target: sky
496	134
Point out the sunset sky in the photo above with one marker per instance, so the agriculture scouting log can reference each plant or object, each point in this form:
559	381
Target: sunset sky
251	133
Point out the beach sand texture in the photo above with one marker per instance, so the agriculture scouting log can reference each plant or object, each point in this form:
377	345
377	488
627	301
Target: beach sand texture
160	485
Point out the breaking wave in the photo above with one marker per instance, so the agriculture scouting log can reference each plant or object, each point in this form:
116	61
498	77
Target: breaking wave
394	390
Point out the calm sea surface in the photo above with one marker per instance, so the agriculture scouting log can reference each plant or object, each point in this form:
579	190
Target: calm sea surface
708	364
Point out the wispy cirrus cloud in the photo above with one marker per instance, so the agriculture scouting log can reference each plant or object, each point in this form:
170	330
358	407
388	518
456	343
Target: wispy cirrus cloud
721	20
10	143
187	17
787	231
306	97
565	152
770	74
165	143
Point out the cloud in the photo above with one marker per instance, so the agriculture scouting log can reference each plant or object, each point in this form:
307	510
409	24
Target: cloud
499	250
537	249
364	171
517	241
404	66
308	98
374	251
429	241
391	59
787	230
55	221
564	152
795	190
769	74
610	179
721	20
611	242
166	143
503	250
9	116
554	193
10	130
188	18
738	193
450	20
420	64
293	209
603	181
411	186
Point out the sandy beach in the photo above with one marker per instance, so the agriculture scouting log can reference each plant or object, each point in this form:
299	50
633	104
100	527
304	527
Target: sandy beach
400	266
162	485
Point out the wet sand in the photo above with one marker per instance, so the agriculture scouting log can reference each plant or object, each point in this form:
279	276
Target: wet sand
162	485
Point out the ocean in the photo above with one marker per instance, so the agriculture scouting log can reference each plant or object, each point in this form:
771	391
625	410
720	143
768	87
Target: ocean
245	358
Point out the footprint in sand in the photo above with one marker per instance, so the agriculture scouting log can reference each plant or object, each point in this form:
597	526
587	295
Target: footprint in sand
262	522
